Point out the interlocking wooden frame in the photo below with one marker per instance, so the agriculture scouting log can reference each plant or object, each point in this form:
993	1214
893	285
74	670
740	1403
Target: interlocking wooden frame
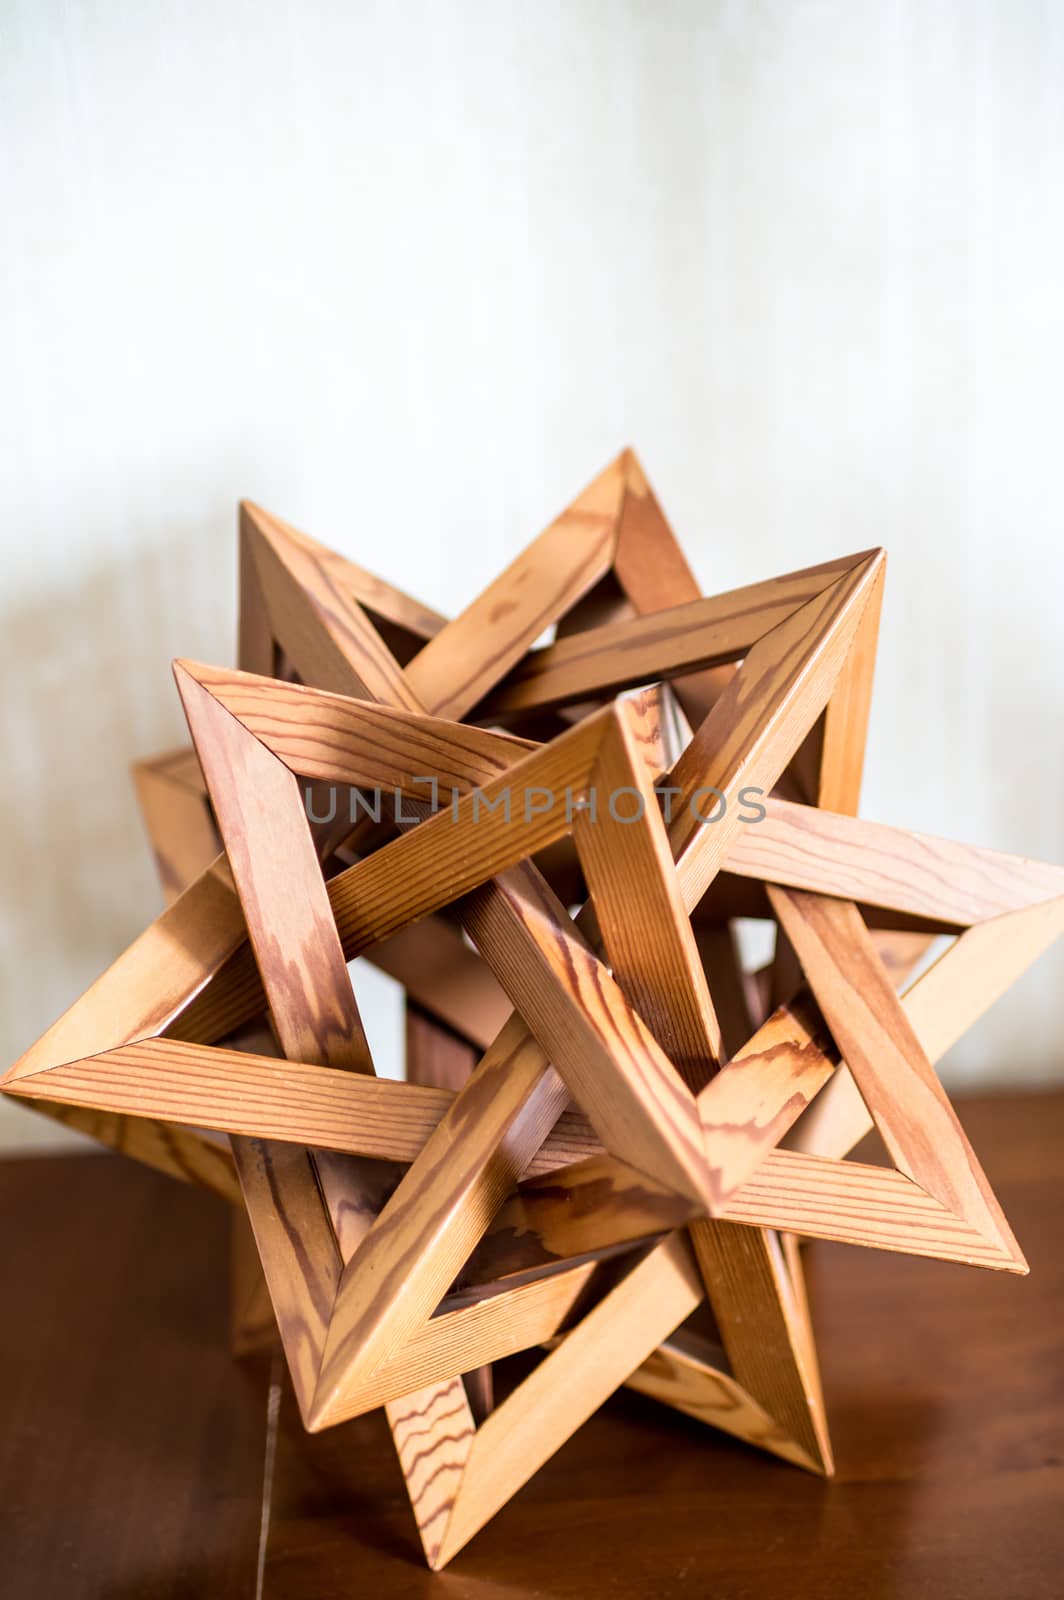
358	1322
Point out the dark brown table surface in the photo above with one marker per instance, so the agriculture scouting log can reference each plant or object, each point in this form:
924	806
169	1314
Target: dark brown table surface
132	1446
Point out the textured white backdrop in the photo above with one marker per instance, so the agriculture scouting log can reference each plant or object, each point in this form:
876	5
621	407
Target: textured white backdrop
409	275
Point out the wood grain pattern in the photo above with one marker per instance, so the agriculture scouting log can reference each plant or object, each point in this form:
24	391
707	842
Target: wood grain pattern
652	573
884	1056
478	647
844	731
438	1057
177	818
343	576
475	1332
627	862
663	644
763	1325
335	739
310	608
752	1304
264	825
510	1223
702	1389
571	1383
941	1468
812	1224
937	880
383	1230
433	1430
314	1010
252	1324
749	1284
447	1198
760	720
237	1092
334	645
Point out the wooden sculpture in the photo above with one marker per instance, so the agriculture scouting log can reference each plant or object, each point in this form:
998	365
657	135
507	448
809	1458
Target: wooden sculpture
611	1136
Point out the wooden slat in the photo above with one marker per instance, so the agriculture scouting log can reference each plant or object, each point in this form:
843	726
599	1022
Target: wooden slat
272	1098
151	983
333	738
472	1335
178	822
844	731
469	657
441	1059
702	1390
700	633
579	1208
758	723
603	1049
750	1288
433	1430
267	838
314	617
884	1056
800	847
345	576
569	1385
750	1104
443	1205
297	1248
624	850
653	574
943	1003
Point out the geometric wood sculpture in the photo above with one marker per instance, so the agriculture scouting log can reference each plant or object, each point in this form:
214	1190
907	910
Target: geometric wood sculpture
611	1135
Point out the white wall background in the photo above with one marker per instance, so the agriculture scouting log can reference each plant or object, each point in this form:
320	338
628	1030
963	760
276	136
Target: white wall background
410	274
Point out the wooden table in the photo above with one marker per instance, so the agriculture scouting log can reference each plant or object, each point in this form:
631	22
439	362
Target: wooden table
132	1447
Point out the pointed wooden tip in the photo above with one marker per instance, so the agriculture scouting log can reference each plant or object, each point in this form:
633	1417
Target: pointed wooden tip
632	468
201	688
444	1553
1014	1260
875	555
263	531
316	1419
15	1083
211	679
256	516
604	495
254	521
188	673
822	1462
31	1078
